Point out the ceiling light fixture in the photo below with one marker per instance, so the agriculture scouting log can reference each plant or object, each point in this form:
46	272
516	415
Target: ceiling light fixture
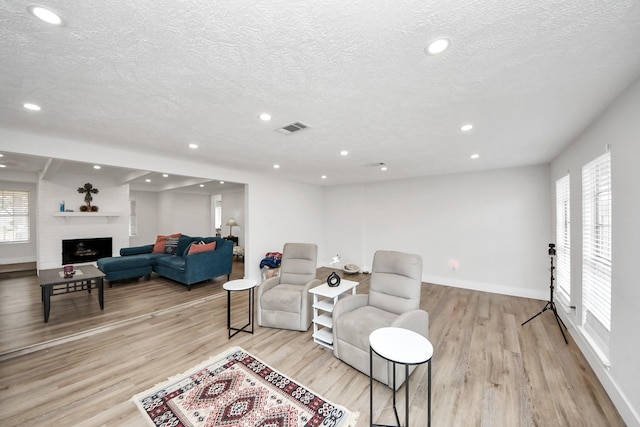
97	166
383	168
2	166
1	155
344	153
46	15
265	117
193	146
276	166
165	175
32	107
324	176
221	182
475	156
201	185
437	46
147	180
466	127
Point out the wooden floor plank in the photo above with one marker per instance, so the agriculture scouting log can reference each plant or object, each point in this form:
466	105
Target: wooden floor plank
487	369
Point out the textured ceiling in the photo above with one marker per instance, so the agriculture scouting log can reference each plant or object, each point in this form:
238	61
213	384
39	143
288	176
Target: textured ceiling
157	75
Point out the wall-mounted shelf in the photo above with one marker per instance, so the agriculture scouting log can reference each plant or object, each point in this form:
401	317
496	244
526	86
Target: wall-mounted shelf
67	215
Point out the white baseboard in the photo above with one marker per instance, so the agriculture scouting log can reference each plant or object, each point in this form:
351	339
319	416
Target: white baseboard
18	260
620	401
487	287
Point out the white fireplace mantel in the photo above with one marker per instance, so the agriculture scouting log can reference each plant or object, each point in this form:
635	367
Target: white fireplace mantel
67	215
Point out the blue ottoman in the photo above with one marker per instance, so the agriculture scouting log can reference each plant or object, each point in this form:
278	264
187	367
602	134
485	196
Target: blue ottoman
126	267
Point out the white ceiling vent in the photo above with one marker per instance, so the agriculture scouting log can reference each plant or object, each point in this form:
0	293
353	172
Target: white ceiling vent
292	128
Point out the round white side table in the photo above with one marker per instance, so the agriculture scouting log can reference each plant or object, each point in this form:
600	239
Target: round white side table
234	286
405	347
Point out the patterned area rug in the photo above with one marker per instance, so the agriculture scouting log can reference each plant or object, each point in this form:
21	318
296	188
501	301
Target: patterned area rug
237	389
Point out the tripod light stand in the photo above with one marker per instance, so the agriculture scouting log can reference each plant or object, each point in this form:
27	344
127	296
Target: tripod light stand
550	305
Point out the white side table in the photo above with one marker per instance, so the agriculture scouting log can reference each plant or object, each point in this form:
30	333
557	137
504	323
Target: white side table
322	309
240	285
398	345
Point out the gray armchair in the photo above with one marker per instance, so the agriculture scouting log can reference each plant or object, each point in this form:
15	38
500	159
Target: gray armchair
393	300
284	301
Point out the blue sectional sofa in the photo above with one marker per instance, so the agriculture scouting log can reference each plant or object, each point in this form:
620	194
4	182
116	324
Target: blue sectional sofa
182	267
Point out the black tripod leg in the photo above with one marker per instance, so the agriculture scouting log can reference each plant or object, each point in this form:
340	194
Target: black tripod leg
560	323
545	308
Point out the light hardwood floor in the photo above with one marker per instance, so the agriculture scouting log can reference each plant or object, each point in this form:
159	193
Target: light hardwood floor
83	366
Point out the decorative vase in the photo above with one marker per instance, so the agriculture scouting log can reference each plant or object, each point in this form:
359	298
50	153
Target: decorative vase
333	280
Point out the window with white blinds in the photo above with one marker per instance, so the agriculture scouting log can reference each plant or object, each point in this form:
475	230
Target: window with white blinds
563	239
14	216
596	247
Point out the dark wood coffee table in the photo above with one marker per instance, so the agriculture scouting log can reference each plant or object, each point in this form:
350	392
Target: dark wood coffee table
53	282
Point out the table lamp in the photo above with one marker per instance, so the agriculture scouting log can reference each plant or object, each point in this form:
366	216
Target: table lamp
231	223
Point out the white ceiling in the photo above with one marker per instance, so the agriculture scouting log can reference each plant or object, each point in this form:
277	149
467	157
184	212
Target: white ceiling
157	75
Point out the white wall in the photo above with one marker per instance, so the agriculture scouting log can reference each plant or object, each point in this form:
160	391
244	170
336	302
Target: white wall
233	207
494	226
19	252
292	214
53	229
184	213
148	214
620	128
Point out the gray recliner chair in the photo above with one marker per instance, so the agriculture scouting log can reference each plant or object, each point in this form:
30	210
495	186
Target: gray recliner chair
284	301
393	300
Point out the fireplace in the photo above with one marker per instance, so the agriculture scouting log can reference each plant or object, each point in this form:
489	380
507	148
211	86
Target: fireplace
85	250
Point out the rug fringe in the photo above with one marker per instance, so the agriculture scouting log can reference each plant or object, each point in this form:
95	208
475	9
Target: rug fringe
353	419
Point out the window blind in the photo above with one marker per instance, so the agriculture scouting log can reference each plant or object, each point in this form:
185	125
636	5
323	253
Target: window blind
596	246
14	216
563	239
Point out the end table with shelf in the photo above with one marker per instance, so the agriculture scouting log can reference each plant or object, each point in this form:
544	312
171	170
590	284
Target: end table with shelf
325	298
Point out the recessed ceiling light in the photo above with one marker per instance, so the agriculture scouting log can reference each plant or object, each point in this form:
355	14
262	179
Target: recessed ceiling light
276	166
266	117
475	156
201	185
165	175
344	153
32	107
383	168
193	146
1	155
147	180
437	46
324	176
466	127
3	166
97	166
221	182
46	15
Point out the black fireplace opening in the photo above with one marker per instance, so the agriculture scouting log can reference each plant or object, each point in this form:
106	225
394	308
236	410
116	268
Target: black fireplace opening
76	251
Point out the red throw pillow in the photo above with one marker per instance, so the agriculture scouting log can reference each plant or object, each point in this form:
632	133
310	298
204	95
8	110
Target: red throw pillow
161	241
207	247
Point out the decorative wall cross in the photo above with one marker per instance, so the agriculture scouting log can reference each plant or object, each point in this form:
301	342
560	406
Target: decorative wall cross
88	190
